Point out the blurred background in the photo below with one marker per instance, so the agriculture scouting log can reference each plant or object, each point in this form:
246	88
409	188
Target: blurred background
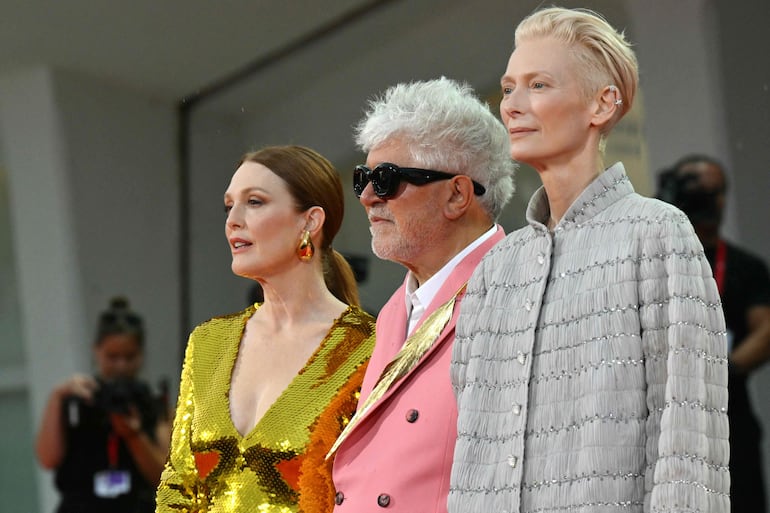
121	123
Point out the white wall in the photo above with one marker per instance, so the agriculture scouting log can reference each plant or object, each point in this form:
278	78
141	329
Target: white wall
216	147
682	82
123	172
47	271
93	202
15	444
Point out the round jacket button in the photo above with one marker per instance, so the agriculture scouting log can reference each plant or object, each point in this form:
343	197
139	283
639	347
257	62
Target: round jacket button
383	500
339	498
412	415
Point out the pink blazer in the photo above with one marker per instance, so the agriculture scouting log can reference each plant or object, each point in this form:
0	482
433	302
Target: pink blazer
399	456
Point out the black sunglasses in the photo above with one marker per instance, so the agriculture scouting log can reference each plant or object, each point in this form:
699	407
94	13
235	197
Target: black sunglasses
386	178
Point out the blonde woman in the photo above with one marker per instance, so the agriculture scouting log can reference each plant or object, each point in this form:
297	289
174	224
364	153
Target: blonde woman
590	361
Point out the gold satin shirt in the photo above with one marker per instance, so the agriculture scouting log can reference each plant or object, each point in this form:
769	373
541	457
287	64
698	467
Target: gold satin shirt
278	467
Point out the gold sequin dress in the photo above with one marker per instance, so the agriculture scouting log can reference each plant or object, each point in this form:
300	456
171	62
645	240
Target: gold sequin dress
278	467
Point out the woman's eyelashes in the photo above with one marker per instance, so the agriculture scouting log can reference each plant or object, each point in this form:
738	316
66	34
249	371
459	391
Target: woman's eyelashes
508	89
252	202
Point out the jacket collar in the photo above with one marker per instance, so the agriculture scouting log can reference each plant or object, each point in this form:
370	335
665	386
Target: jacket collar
610	186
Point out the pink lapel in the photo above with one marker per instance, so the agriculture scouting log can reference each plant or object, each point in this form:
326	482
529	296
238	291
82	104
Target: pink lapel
392	320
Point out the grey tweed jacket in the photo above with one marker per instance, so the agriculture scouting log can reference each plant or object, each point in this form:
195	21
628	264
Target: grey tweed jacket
590	365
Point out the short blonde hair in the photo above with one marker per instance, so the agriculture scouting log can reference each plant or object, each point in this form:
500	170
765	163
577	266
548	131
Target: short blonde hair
605	55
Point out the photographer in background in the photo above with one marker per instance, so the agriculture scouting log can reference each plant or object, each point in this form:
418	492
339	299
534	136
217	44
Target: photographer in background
697	185
106	436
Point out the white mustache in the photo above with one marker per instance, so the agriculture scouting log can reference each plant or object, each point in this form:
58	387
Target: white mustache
379	215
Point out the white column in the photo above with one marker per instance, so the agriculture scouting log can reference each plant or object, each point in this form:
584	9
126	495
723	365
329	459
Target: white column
677	44
47	272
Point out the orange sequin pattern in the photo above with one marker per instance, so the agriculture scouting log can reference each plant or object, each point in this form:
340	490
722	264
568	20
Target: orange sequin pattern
279	467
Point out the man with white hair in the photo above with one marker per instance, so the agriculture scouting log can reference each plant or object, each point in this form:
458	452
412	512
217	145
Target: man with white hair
436	178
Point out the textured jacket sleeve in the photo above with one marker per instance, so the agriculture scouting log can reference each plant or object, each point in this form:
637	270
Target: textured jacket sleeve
177	489
683	335
472	301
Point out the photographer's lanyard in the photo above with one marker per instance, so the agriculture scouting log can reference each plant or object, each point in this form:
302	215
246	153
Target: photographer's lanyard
720	266
112	450
720	271
112	482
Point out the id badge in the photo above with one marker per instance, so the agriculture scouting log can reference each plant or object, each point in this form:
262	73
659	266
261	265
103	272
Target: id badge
109	484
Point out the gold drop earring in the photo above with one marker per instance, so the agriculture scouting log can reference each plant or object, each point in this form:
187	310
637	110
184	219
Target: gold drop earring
305	249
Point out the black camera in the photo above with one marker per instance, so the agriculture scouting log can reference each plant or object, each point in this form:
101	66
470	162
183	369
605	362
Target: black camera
118	395
112	396
684	191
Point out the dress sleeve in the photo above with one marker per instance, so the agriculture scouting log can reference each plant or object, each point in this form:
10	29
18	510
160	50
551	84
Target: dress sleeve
683	334
178	482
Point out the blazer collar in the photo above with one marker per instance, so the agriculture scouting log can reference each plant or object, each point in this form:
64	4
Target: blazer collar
459	276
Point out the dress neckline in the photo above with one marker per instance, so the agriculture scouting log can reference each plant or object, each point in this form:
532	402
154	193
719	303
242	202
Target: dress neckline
272	410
